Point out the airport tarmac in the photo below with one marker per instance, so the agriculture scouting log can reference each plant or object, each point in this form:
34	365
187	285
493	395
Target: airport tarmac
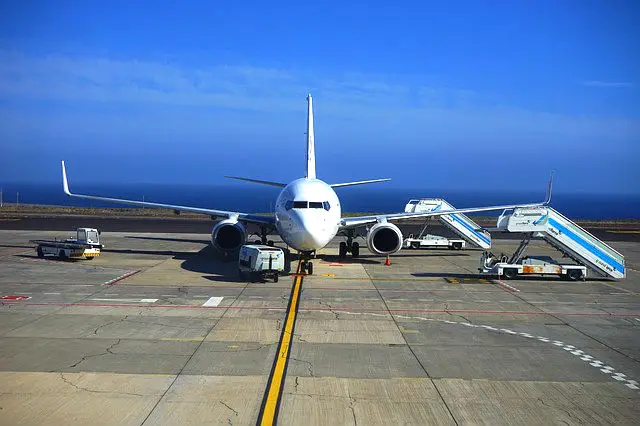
158	331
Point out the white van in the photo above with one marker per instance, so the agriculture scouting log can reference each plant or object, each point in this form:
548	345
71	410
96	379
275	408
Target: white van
258	261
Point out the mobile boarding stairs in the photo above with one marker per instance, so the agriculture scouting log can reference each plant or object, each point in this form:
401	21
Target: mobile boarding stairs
459	223
563	234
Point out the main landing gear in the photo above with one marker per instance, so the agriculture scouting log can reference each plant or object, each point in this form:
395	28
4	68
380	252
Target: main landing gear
264	232
349	246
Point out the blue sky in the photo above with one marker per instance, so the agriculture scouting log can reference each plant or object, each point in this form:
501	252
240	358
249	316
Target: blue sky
466	94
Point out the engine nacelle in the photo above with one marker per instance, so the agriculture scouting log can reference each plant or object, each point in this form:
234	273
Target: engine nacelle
384	238
228	235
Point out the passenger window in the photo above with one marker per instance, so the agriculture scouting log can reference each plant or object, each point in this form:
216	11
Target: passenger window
299	204
326	205
315	205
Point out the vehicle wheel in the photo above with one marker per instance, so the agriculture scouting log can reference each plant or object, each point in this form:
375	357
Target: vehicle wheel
457	246
309	268
89	257
62	254
342	251
40	252
574	274
355	250
270	243
275	278
257	242
415	246
510	273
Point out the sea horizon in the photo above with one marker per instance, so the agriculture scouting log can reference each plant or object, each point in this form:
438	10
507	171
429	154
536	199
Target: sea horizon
255	198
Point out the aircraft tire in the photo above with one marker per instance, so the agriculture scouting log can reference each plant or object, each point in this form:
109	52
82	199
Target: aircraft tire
342	251
355	250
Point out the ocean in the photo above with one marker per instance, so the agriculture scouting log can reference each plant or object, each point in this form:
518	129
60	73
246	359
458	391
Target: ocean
372	198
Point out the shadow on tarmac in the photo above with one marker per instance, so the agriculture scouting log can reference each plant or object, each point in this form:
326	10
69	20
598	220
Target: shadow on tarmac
184	240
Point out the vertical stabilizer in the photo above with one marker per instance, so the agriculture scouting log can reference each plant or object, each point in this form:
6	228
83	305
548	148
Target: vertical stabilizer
311	149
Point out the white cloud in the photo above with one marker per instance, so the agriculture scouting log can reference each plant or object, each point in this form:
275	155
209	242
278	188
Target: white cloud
382	105
607	84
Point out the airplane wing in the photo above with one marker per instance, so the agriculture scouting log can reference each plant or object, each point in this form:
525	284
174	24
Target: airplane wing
245	217
360	182
353	222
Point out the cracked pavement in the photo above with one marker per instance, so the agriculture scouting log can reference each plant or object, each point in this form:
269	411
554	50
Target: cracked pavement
364	338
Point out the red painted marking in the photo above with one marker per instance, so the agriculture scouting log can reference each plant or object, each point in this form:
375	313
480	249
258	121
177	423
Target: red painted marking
15	297
263	308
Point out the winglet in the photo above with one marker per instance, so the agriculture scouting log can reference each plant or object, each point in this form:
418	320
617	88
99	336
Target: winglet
547	200
311	150
65	183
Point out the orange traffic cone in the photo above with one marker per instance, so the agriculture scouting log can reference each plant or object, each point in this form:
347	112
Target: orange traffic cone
388	261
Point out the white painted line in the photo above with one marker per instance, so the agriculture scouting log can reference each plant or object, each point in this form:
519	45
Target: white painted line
148	300
508	286
51	293
618	377
213	301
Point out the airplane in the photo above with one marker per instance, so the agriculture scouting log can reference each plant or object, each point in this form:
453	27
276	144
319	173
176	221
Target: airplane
307	214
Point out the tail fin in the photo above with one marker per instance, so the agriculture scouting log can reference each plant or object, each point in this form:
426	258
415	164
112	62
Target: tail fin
311	149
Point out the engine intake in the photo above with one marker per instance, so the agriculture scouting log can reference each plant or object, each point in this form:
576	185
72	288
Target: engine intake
228	235
384	238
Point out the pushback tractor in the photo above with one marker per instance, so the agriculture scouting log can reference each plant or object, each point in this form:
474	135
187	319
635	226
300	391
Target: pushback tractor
86	244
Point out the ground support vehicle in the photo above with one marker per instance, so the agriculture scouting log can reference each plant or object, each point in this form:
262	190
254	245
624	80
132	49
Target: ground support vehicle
259	262
86	244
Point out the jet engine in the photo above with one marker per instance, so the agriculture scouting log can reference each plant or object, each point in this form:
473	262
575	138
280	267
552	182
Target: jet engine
384	238
228	235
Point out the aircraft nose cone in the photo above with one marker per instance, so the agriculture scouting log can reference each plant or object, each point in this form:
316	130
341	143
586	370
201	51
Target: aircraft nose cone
314	233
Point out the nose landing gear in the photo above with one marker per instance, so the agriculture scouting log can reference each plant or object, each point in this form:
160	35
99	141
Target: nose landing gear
307	265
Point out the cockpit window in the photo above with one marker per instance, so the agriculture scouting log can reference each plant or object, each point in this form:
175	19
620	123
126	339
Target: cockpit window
299	204
326	205
315	205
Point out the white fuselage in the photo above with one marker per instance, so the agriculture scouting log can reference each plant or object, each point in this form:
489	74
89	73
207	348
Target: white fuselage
307	214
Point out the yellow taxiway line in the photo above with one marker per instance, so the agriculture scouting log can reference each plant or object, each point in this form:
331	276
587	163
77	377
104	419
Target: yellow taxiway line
271	402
